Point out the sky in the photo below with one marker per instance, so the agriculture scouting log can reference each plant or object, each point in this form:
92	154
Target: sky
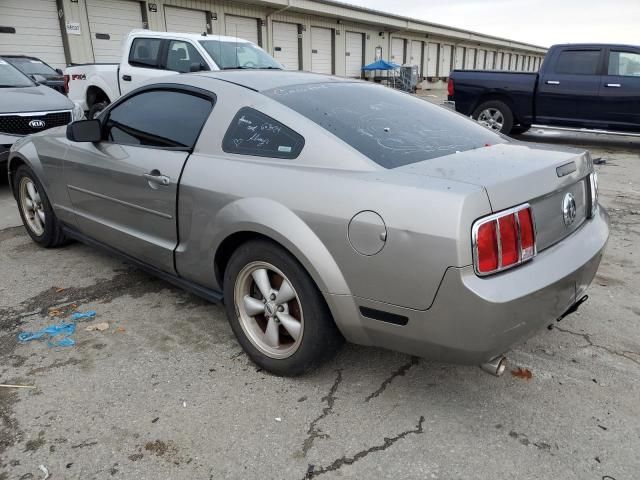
539	22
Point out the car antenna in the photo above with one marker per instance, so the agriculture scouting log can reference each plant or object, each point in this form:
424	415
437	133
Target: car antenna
204	34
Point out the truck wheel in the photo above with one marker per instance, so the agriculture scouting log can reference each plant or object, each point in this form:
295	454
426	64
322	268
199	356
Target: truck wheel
95	109
276	311
495	115
35	209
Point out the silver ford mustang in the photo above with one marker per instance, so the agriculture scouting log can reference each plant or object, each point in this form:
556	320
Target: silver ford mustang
320	209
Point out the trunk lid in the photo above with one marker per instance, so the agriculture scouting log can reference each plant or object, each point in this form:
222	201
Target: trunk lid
515	173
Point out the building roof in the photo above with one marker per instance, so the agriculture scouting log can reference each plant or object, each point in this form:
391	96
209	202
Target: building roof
339	9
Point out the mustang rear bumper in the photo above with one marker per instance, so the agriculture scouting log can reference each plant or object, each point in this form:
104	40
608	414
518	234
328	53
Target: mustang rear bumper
474	319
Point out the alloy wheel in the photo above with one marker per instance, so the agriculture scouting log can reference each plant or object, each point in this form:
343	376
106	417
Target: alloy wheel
269	310
31	205
491	118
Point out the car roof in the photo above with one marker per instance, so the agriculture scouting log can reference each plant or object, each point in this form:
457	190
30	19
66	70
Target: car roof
139	32
262	80
596	45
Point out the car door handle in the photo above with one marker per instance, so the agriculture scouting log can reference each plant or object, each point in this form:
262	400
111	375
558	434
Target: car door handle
126	78
157	178
553	82
613	85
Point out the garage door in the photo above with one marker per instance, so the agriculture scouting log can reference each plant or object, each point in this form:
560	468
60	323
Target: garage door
489	62
321	50
397	50
446	56
184	20
242	27
35	30
110	21
285	45
432	60
482	54
354	54
459	62
416	55
470	58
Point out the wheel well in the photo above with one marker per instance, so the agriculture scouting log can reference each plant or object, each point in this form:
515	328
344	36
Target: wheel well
12	167
96	95
500	97
229	245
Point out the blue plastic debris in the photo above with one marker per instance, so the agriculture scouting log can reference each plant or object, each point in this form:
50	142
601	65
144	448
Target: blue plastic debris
83	315
62	329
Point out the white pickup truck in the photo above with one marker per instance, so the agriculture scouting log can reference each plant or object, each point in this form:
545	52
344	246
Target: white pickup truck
149	55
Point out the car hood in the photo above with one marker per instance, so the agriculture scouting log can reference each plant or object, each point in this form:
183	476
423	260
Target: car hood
511	173
32	99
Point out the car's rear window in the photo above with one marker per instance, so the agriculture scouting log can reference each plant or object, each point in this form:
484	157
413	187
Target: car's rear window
391	128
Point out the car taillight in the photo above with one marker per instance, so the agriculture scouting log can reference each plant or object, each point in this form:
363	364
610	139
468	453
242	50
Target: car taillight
503	240
66	84
450	87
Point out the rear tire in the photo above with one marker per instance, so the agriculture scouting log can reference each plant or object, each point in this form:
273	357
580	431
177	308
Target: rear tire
287	331
495	115
35	209
95	109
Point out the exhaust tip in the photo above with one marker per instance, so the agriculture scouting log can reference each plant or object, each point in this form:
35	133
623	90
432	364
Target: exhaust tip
496	366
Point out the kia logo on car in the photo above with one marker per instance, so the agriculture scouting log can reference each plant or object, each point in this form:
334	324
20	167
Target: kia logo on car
37	124
568	209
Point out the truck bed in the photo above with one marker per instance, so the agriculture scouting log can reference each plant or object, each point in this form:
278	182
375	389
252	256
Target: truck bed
102	75
472	87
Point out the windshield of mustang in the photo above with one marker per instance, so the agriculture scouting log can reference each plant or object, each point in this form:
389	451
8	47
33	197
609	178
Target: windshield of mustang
12	77
390	127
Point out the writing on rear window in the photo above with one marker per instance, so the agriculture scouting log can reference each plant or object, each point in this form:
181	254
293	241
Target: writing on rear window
254	133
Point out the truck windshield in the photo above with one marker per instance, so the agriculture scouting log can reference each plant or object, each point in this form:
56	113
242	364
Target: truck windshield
11	77
391	128
228	55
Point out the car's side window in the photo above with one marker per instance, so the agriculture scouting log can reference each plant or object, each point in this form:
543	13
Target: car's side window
158	118
254	133
145	52
181	55
578	62
626	64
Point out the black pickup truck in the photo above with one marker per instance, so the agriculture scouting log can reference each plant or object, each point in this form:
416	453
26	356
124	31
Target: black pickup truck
586	86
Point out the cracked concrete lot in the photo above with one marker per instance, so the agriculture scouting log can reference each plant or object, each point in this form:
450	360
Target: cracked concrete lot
166	392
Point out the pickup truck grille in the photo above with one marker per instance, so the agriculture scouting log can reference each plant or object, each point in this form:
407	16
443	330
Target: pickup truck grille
15	124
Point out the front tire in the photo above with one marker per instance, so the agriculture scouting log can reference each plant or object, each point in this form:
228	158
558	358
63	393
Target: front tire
35	209
95	109
495	115
276	311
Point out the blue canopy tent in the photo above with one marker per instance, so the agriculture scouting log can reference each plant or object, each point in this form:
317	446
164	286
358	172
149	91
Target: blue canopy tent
380	65
384	66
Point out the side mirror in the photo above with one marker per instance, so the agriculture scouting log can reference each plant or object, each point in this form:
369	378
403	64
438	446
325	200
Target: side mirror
59	71
195	67
85	131
39	79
